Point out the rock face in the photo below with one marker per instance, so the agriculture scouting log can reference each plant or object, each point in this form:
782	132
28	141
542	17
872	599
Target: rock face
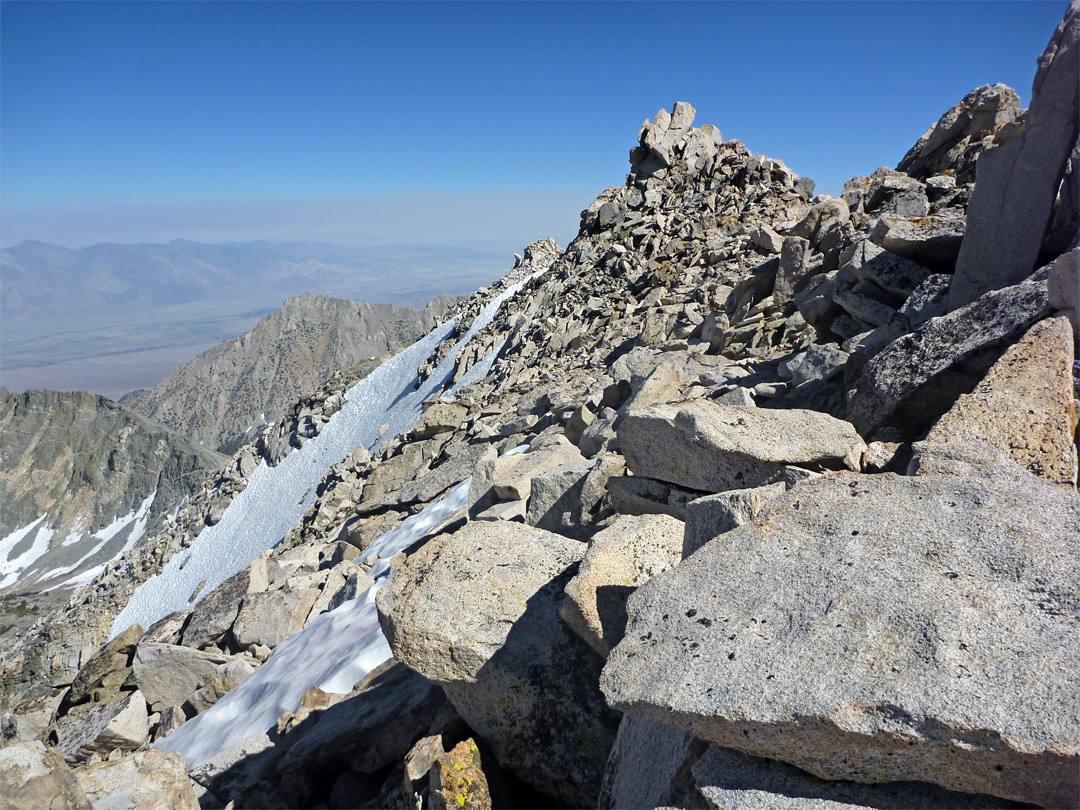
79	462
1017	183
145	779
250	381
1024	406
477	612
712	448
919	376
623	556
950	668
32	775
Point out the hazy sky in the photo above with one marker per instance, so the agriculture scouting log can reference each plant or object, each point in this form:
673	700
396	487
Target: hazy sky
475	124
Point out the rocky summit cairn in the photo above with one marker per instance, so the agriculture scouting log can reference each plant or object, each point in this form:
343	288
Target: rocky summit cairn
738	501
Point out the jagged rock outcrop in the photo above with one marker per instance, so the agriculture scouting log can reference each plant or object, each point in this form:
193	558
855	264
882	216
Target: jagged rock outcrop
82	478
1018	182
957	139
227	394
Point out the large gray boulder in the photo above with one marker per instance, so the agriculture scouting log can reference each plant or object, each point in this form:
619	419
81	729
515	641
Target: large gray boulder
702	445
167	674
1024	406
1016	183
626	554
917	377
214	614
477	611
879	628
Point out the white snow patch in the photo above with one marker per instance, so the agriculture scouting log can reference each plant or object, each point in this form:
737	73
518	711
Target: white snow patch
334	652
275	499
139	517
11	569
79	580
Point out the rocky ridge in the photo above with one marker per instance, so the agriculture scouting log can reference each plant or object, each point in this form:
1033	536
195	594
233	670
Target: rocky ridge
228	394
878	614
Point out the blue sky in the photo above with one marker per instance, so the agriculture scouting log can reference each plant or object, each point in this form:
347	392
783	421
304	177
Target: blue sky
475	124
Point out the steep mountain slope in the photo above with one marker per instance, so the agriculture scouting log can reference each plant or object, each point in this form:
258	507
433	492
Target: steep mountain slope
226	395
81	478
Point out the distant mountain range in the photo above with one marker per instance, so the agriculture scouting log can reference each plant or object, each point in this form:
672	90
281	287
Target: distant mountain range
113	318
36	277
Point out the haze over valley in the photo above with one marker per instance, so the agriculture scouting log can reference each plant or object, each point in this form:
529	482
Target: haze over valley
112	318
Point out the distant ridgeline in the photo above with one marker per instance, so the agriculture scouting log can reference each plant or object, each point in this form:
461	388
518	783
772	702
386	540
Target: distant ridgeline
228	394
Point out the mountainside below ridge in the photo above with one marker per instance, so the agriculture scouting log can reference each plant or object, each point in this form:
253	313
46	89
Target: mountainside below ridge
227	394
82	478
747	498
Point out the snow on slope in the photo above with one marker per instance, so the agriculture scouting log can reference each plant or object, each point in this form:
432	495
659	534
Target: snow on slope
11	568
137	519
334	652
275	499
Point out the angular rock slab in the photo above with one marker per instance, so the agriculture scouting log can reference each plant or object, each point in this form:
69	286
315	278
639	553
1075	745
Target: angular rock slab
477	612
623	556
145	779
879	628
375	725
1016	183
121	724
713	448
649	766
1024	406
729	779
32	776
918	377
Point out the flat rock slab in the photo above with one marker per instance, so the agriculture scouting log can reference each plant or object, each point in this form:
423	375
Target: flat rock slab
730	780
918	377
477	611
879	628
713	448
1024	406
620	558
